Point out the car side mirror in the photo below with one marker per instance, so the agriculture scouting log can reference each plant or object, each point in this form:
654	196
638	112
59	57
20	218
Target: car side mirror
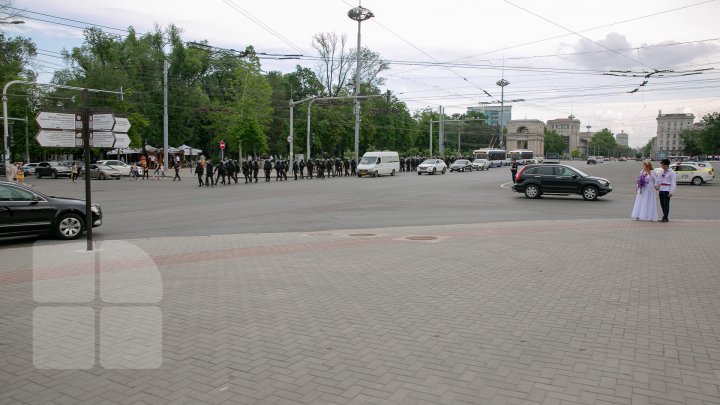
574	176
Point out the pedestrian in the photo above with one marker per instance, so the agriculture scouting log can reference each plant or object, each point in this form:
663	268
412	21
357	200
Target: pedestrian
199	172
513	169
267	167
295	168
301	165
74	172
20	174
158	169
310	166
666	186
246	170
209	173
256	169
177	169
645	208
220	172
353	167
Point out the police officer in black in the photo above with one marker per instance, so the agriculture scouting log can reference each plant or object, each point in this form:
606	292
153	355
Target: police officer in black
295	168
353	167
267	167
256	169
278	170
513	169
310	168
301	165
321	168
220	172
209	173
246	170
199	172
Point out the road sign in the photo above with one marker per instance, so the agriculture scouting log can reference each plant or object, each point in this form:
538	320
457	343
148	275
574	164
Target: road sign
102	122
122	140
289	138
121	125
222	144
57	139
102	139
48	120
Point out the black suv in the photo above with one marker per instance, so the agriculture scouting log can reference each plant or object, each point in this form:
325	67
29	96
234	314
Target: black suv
24	211
536	180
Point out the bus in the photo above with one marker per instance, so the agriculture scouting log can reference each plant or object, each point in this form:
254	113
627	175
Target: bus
496	157
521	154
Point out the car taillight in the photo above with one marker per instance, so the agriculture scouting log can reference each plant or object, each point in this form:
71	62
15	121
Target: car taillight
517	176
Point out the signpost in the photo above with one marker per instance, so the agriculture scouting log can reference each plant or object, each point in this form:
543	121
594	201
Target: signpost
63	121
222	149
56	139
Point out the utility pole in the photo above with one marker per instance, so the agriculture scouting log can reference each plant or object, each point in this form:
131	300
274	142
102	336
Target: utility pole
165	114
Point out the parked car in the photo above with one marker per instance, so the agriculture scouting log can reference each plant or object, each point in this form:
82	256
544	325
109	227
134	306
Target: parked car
591	160
29	169
102	172
24	211
536	180
692	173
461	165
119	165
432	166
51	169
481	164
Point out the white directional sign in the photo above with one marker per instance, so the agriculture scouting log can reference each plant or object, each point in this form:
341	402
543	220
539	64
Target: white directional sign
121	124
102	122
122	140
102	139
49	120
57	139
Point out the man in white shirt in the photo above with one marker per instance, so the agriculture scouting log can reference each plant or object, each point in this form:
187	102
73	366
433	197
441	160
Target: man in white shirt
666	187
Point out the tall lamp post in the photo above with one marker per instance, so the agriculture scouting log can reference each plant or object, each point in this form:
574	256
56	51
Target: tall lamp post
502	83
358	14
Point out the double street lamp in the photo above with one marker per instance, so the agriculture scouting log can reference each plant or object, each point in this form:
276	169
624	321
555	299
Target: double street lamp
358	14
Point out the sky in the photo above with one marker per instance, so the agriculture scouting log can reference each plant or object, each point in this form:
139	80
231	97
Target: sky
583	58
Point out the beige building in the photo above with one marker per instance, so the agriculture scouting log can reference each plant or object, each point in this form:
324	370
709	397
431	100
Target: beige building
622	138
569	129
668	141
526	134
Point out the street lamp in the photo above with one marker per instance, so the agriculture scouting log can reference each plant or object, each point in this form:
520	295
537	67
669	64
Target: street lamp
358	14
502	83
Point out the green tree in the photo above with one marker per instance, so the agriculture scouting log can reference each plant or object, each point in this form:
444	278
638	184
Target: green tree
554	143
710	135
575	153
603	143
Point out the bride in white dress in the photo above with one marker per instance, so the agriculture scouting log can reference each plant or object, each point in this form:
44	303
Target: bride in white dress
645	208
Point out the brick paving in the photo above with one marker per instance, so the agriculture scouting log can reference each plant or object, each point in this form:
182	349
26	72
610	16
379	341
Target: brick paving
538	312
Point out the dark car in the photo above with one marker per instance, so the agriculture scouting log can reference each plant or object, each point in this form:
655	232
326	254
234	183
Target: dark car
51	169
24	211
536	180
461	165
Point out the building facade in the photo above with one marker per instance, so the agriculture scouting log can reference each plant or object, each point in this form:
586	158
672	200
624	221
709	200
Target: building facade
668	141
585	138
526	134
569	129
622	138
492	114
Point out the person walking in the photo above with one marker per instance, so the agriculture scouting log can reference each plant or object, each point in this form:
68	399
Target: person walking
667	182
199	172
267	167
295	168
256	169
177	170
513	169
209	173
310	166
19	174
645	208
74	172
220	172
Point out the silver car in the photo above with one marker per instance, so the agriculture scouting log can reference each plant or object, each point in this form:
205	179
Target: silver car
432	166
103	172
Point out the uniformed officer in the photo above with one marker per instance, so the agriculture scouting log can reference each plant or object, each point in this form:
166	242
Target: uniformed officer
353	167
256	169
513	169
278	170
199	173
267	167
246	170
321	168
209	173
220	172
310	168
301	165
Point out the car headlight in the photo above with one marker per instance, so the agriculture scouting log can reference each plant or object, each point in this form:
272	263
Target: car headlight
95	208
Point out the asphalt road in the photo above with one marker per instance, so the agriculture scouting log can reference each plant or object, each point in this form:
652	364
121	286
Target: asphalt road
146	209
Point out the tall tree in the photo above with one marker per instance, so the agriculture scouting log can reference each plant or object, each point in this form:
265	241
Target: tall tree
603	142
554	143
710	137
335	63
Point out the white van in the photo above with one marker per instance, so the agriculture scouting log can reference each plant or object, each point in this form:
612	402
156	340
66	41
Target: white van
378	163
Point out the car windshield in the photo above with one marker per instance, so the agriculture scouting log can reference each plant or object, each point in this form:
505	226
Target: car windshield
429	162
105	167
368	160
580	172
461	162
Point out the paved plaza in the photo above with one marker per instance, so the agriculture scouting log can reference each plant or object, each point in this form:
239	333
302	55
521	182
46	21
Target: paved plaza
531	312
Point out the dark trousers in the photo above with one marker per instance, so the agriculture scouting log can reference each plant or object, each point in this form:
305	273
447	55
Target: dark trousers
177	175
665	203
513	174
200	179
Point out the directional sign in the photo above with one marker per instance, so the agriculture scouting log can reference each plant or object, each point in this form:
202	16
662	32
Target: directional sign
122	140
102	122
222	144
57	139
102	139
121	125
48	120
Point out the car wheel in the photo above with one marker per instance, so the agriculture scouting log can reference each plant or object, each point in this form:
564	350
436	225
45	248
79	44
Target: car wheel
590	193
375	173
393	172
37	174
470	169
532	191
443	171
434	170
419	173
101	176
697	181
69	226
53	175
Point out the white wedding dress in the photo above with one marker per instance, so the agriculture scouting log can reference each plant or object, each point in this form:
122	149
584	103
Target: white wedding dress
645	208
